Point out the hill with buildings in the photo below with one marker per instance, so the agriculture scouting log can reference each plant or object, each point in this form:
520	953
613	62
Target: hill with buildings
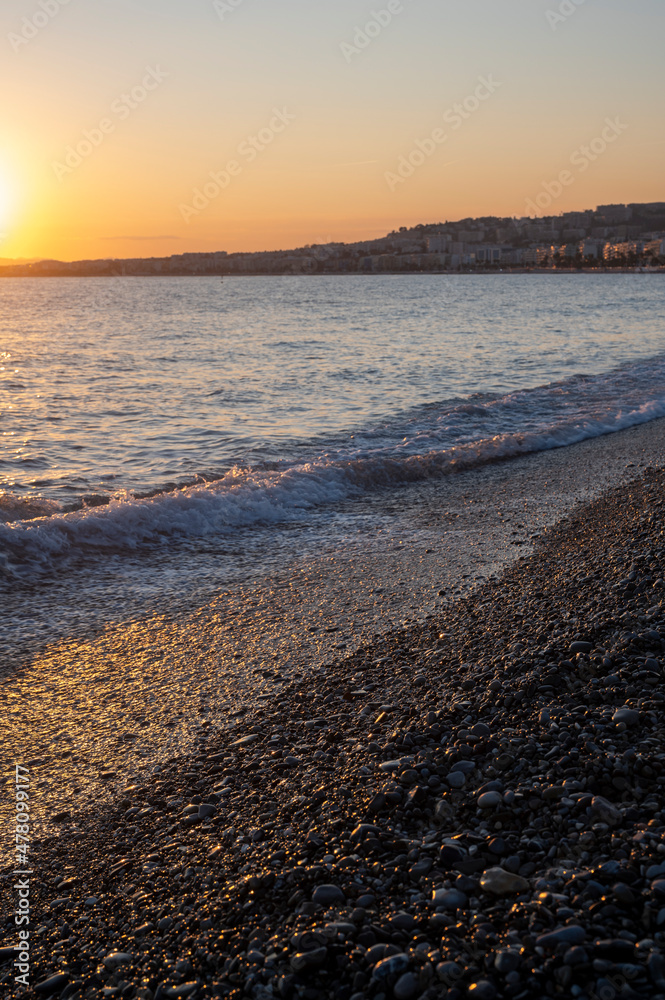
611	236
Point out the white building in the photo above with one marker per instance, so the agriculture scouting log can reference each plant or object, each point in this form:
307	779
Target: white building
439	244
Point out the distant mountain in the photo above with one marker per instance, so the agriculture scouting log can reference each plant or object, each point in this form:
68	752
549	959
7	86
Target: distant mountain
8	261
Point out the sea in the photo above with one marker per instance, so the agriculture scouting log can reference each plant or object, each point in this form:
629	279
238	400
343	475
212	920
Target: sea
167	438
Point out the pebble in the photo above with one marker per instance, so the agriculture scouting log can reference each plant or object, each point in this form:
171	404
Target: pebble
465	766
449	899
507	961
246	741
489	800
497	846
658	888
328	895
403	922
449	973
450	855
623	895
580	647
394	965
605	811
628	716
54	984
500	882
570	934
576	956
406	987
307	960
116	959
482	990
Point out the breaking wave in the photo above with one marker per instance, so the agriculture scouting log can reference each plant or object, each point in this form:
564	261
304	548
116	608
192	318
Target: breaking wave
432	441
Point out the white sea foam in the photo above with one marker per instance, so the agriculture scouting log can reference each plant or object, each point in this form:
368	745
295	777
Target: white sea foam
429	442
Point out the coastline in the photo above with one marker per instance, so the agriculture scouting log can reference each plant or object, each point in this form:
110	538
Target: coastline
486	690
354	274
149	653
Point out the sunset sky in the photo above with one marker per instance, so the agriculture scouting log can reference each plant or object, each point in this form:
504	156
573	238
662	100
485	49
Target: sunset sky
115	112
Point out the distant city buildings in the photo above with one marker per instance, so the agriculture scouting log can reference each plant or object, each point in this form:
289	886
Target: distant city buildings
611	236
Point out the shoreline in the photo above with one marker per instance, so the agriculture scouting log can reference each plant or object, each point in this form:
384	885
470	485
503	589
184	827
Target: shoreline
150	653
366	274
470	525
452	750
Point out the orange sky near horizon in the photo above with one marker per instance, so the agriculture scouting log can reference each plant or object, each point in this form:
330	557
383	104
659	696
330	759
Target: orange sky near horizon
145	128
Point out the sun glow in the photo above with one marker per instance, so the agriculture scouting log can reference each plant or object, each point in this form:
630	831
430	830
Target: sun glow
13	218
7	203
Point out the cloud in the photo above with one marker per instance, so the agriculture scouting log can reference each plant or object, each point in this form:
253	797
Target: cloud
357	163
141	238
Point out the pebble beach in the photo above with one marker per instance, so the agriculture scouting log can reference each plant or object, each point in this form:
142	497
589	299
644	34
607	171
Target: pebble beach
470	805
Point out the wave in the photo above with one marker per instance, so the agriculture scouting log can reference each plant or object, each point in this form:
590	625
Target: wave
13	508
435	440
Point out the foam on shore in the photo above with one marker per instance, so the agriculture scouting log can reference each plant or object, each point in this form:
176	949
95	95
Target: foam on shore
430	444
